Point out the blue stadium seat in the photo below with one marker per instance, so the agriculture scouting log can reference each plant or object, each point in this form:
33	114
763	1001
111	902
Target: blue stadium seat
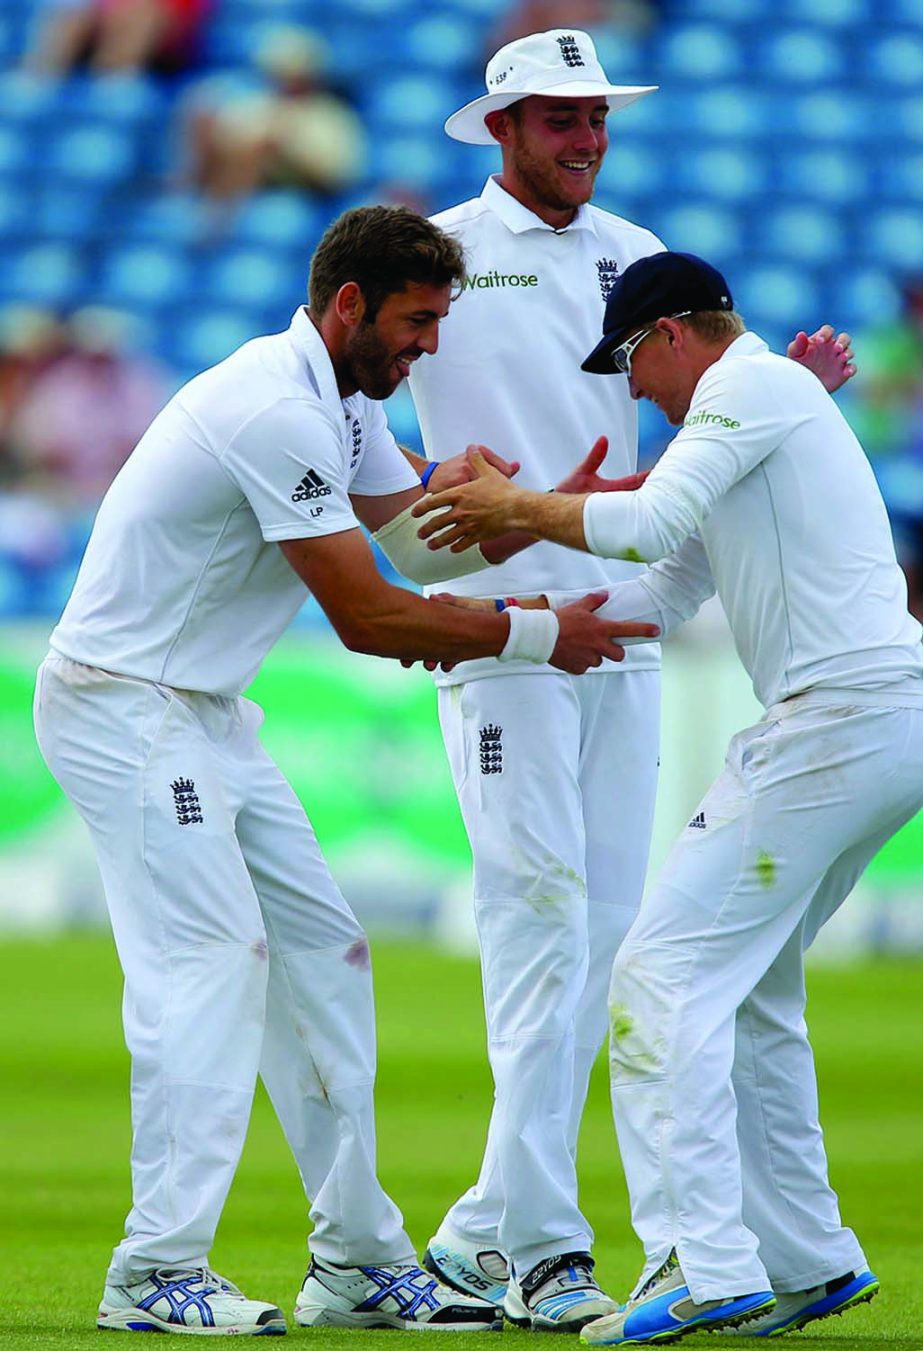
24	99
830	13
127	100
415	160
633	169
94	154
802	56
898	11
144	275
46	274
895	59
175	220
442	41
406	101
203	339
699	227
729	11
727	174
245	278
833	115
16	215
14	151
801	232
288	220
776	295
61	211
899	177
904	119
862	297
828	174
893	237
699	52
730	111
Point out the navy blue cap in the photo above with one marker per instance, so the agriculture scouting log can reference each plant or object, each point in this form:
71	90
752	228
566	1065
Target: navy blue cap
654	288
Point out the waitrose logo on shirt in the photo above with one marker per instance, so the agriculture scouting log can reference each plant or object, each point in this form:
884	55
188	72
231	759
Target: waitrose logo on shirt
484	281
713	419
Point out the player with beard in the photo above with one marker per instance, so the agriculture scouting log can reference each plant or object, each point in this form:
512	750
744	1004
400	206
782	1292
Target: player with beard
239	952
560	838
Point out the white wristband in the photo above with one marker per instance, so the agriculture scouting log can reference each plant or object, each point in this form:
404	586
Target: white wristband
533	635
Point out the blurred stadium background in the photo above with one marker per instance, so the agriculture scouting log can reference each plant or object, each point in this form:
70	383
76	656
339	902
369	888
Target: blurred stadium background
159	204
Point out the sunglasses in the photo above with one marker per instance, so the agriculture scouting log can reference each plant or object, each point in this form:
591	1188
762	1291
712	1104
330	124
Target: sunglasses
621	355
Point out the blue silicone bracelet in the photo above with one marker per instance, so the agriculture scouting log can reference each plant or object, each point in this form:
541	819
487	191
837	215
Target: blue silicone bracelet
428	472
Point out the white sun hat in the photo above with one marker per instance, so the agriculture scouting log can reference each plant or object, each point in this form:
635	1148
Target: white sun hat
559	63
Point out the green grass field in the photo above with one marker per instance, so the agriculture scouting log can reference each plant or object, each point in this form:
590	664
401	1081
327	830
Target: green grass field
64	1175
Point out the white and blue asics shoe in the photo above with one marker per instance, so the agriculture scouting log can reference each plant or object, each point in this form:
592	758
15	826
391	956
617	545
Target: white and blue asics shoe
396	1295
468	1267
663	1311
193	1301
558	1295
795	1310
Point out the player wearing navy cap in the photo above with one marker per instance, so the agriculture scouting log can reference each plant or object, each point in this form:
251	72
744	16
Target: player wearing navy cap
765	497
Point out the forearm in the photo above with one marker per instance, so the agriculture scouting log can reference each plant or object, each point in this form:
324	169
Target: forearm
403	624
557	517
506	546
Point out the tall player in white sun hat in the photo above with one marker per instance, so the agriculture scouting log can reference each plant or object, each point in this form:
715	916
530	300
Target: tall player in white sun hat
765	497
560	834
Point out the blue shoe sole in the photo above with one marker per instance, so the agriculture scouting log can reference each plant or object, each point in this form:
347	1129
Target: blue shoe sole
749	1306
859	1291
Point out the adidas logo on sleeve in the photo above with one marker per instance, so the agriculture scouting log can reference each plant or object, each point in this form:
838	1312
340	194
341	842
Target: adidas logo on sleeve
310	487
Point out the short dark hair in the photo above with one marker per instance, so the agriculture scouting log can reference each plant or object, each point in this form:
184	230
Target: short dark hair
382	249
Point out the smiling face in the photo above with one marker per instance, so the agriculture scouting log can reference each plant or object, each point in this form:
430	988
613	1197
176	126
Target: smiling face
552	151
377	354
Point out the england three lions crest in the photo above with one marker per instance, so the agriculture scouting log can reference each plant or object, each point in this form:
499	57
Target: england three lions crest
608	270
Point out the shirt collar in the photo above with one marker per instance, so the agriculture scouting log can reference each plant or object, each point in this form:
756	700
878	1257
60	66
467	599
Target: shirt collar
519	218
309	343
747	345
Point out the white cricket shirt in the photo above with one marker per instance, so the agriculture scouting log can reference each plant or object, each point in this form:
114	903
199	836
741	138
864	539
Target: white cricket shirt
791	527
507	374
183	581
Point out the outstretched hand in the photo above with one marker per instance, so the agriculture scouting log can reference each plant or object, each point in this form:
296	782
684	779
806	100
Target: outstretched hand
830	358
468	512
585	640
585	478
450	473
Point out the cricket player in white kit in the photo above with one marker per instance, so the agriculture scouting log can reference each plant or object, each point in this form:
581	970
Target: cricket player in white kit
239	952
766	497
556	778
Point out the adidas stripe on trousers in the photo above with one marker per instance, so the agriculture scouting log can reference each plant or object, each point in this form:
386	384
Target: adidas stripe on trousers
713	1083
240	957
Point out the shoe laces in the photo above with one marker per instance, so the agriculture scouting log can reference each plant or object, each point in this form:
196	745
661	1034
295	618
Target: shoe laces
215	1284
670	1265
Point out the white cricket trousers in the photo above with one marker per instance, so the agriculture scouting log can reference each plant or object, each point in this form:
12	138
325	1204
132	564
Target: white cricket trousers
713	1083
240	956
556	777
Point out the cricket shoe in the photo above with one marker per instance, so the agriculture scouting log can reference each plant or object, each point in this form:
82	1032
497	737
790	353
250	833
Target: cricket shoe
798	1308
558	1295
197	1302
467	1267
663	1311
397	1295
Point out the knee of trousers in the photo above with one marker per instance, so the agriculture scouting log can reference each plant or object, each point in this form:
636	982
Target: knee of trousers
644	998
